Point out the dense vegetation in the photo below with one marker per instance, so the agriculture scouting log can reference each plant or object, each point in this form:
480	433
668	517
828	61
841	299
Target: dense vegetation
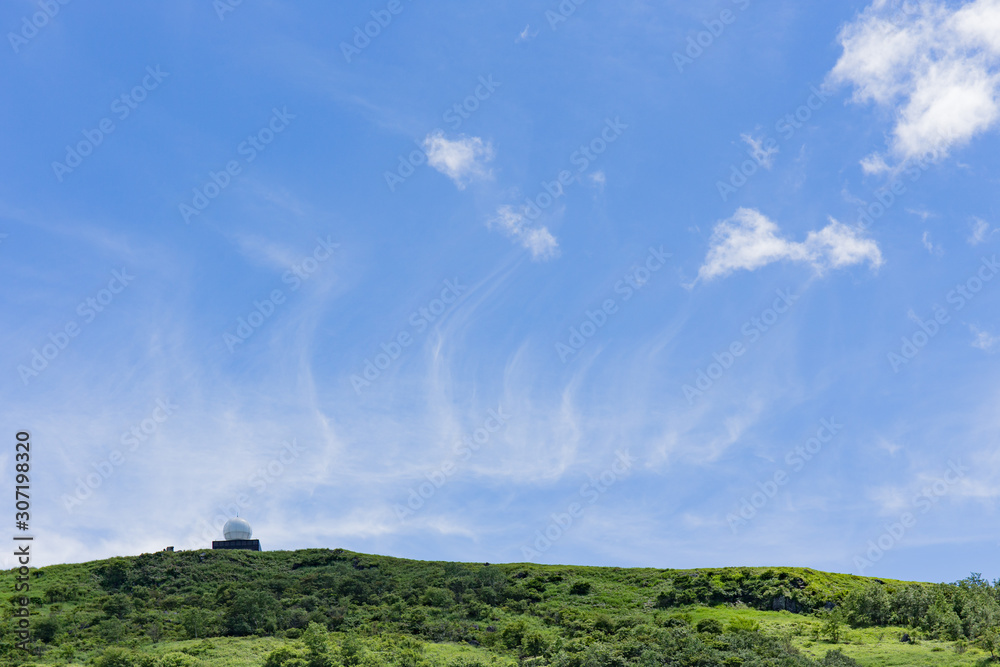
323	608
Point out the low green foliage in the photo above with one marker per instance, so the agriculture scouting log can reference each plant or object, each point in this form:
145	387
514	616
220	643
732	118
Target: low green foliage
333	608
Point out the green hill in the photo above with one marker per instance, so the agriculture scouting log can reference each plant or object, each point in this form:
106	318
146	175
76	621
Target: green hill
321	607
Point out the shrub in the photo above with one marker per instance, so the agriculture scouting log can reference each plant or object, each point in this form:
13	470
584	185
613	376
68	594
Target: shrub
837	659
512	635
352	651
251	612
711	626
533	644
47	628
283	657
438	597
580	588
176	659
119	657
118	605
741	624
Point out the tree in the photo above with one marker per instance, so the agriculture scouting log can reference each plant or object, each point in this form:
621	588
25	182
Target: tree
990	641
832	627
911	603
317	640
197	623
118	605
251	612
868	606
351	651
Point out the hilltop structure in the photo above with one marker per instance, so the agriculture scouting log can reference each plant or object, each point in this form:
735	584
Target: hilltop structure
237	532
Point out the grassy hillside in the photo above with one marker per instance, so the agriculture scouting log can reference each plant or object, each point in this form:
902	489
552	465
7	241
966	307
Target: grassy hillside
321	607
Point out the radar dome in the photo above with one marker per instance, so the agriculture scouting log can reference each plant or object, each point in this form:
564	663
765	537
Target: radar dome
237	529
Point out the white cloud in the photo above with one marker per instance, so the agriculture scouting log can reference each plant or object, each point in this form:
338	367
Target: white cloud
937	68
598	179
461	160
526	34
980	231
538	240
985	341
749	241
931	248
763	156
874	164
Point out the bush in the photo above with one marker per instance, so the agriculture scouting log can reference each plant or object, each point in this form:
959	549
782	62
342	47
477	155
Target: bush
176	659
119	657
837	659
741	624
533	644
580	588
251	612
47	628
438	597
352	651
711	626
283	657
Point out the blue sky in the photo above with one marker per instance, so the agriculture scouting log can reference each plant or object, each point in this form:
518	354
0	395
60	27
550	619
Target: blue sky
643	284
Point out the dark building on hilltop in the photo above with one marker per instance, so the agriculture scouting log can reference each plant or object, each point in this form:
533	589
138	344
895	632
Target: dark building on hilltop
237	533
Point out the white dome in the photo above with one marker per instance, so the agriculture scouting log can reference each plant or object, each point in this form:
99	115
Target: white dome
237	529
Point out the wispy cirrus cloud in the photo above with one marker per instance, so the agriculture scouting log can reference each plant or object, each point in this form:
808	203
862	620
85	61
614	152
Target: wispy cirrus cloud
981	231
984	340
764	156
516	225
749	241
